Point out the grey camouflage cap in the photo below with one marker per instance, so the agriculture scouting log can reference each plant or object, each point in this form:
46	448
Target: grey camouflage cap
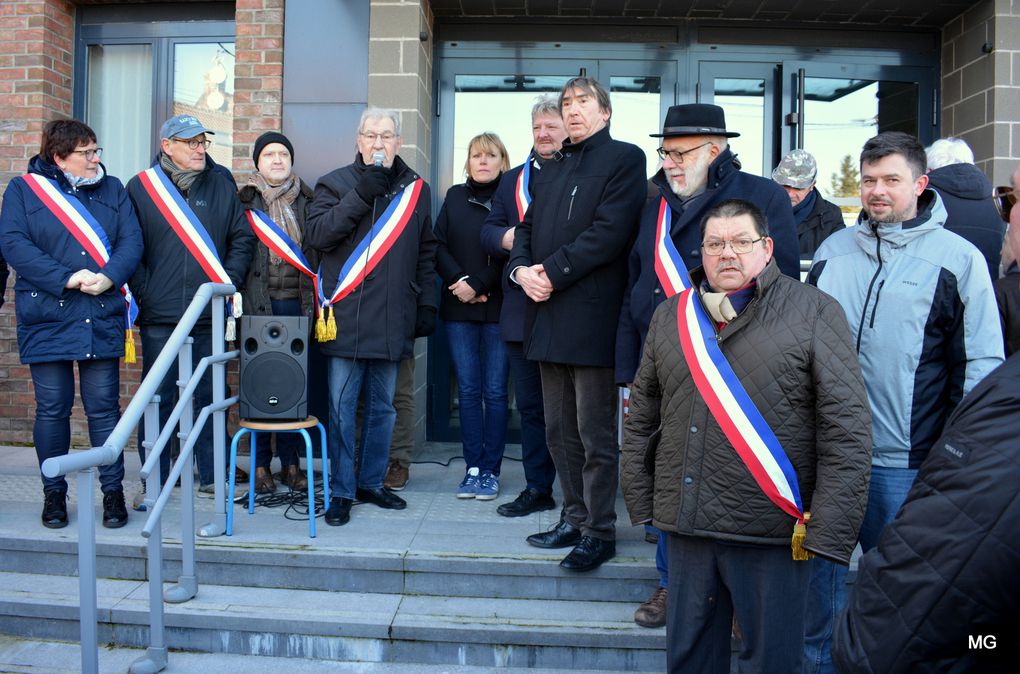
798	170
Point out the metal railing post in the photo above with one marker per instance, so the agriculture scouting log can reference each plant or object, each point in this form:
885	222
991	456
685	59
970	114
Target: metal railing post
155	658
89	615
187	582
218	526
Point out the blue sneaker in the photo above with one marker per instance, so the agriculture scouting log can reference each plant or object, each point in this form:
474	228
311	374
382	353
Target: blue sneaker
488	487
468	487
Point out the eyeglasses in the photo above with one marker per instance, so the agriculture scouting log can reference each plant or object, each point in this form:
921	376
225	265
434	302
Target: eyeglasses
384	137
193	143
739	246
1005	199
678	155
94	153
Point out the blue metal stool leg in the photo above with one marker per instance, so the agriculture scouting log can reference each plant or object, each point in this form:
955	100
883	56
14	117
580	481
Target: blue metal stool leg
311	485
251	473
230	482
325	464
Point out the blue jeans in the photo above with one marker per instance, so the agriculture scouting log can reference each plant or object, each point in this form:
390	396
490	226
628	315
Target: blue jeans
539	469
347	378
480	360
287	444
760	585
827	591
99	381
154	338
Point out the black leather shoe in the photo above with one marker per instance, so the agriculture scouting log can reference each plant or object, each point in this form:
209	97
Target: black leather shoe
527	502
339	512
589	554
561	536
381	497
54	514
114	511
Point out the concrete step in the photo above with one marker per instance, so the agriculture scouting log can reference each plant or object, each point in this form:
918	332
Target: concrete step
59	657
345	626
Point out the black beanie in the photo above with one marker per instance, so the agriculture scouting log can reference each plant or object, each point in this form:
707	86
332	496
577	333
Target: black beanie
271	137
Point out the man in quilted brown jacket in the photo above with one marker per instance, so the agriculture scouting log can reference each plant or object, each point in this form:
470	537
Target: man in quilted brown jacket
747	415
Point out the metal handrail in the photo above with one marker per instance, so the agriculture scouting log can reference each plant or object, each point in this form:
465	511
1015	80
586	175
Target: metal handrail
146	402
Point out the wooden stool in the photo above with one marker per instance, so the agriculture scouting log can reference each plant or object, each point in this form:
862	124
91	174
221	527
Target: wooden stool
301	426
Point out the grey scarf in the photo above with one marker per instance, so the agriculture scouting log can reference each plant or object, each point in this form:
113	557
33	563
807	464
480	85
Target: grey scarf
183	178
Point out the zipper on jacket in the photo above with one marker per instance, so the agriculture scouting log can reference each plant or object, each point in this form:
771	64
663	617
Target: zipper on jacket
874	310
867	298
570	209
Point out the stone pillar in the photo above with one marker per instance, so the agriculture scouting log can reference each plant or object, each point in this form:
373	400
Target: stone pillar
400	78
258	76
981	85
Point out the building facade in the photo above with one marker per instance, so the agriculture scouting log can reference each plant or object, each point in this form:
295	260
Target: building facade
818	74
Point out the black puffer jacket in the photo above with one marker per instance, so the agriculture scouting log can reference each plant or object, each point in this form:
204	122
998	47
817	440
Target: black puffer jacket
967	196
377	319
168	276
459	253
1007	297
580	226
256	287
792	351
824	219
947	569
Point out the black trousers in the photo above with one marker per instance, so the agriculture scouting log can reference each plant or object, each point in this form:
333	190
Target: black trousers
580	428
759	584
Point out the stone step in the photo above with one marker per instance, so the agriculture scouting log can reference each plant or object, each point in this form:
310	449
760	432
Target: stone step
346	626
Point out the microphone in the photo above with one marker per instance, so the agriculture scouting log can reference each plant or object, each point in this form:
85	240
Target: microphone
378	158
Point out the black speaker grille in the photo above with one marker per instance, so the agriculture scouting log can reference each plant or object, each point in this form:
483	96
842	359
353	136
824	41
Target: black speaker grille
273	382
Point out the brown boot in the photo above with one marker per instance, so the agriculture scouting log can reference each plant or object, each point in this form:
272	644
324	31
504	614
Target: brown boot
653	612
294	478
264	481
397	476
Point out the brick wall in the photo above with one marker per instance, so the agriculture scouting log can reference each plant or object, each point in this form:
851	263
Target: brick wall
980	78
258	77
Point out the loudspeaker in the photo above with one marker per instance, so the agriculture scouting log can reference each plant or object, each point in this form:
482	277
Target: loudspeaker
274	367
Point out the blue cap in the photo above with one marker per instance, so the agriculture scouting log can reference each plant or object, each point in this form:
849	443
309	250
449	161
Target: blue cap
182	126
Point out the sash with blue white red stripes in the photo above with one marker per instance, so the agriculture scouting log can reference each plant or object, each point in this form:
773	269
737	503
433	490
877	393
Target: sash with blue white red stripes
192	233
372	249
522	190
84	227
279	242
731	407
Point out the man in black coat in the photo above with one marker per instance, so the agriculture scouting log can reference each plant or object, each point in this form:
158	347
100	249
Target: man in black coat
497	235
169	275
815	217
371	221
940	591
569	256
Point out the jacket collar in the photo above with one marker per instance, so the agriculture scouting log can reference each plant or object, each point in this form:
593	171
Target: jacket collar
931	215
597	139
40	166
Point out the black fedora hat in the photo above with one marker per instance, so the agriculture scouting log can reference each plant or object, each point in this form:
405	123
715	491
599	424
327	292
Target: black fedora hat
695	119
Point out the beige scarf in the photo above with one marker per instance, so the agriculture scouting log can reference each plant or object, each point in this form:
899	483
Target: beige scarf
718	306
279	200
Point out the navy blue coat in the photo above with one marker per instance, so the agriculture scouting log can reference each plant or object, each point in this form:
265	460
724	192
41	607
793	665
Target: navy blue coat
644	293
967	196
502	216
55	323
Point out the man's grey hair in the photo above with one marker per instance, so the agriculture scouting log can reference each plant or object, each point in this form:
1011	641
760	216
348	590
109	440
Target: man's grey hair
546	104
946	151
590	86
380	113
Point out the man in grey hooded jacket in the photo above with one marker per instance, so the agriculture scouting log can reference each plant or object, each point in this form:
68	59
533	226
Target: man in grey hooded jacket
921	307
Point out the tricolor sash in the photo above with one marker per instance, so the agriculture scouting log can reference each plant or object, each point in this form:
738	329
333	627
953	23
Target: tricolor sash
522	190
372	249
84	227
278	241
192	233
730	405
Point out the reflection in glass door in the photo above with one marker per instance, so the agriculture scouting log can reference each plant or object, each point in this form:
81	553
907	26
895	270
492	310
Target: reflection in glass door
203	86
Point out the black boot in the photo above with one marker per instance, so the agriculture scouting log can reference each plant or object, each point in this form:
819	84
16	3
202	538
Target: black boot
54	514
339	512
114	511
